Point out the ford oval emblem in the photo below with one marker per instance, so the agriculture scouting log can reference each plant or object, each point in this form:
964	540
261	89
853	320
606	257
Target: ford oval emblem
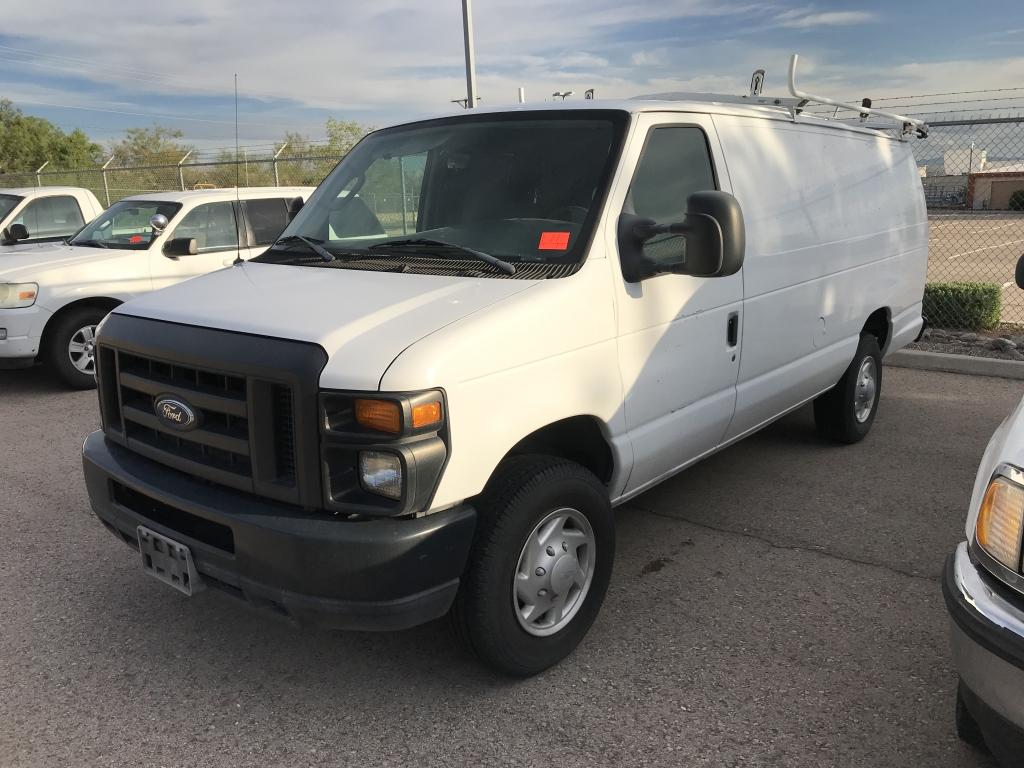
175	413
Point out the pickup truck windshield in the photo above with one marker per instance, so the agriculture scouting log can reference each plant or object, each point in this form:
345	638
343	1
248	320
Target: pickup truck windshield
525	188
7	203
124	225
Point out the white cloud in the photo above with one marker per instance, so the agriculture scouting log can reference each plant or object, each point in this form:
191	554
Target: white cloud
806	19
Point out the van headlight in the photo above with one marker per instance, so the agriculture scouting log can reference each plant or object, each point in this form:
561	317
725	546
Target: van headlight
380	472
1001	521
18	295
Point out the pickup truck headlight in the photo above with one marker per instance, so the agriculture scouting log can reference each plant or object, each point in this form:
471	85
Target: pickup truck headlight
18	295
1001	520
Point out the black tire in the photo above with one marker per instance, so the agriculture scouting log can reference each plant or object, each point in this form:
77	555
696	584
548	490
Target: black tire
835	411
57	355
523	491
967	728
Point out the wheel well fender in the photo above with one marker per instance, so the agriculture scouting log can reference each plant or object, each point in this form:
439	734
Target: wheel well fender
582	439
100	302
879	325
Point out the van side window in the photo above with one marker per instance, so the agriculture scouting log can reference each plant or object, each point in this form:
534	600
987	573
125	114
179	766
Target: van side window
676	163
51	217
266	217
212	225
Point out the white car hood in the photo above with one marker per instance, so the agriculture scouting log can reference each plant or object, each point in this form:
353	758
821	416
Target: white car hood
363	319
22	263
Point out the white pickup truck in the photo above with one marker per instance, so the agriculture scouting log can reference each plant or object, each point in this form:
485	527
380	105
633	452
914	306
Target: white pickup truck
44	214
432	404
53	295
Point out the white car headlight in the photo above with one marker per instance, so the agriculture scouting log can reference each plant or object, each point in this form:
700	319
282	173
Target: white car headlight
1001	521
18	295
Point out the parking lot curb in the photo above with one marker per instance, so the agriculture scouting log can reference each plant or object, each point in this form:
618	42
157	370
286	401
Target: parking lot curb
941	361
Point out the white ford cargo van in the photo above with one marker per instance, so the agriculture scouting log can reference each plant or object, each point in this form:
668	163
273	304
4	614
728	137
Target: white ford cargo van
53	295
392	415
43	214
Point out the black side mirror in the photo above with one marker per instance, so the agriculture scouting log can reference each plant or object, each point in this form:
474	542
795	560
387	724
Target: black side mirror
14	233
713	230
294	206
1018	274
181	246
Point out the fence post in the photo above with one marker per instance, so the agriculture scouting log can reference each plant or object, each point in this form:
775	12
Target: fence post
181	173
39	170
103	172
277	179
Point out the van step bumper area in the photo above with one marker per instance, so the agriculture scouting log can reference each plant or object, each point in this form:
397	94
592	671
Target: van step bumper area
316	569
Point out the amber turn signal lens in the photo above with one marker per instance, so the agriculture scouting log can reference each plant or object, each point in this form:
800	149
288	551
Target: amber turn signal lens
26	295
1000	522
381	415
426	415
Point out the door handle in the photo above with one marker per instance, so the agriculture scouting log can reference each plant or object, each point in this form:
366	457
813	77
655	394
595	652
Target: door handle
732	329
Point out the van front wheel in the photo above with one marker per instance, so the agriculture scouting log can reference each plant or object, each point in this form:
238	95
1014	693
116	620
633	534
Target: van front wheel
846	412
540	566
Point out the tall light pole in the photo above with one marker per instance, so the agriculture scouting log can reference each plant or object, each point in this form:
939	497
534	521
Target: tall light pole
467	29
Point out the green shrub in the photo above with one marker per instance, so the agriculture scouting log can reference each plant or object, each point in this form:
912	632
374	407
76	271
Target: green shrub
963	305
1017	201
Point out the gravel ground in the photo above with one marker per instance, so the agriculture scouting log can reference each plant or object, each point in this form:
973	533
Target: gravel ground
1002	344
776	605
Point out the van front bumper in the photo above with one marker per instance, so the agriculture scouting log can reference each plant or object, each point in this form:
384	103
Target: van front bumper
987	637
382	574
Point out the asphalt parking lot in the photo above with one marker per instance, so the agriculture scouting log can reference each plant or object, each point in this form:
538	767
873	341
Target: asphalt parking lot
777	604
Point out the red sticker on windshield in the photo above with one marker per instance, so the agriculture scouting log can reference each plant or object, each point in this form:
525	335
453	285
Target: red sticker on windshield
553	241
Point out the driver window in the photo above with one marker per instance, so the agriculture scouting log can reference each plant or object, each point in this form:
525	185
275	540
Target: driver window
676	163
51	217
212	225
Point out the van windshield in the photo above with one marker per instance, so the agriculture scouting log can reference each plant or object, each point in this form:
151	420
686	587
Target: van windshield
124	225
7	203
523	187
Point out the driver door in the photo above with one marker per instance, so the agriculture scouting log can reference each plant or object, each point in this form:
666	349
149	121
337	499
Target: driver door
679	335
214	227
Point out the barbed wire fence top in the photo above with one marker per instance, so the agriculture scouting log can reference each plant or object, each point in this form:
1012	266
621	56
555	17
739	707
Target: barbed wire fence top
972	174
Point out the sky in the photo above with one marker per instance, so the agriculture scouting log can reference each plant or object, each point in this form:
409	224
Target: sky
105	65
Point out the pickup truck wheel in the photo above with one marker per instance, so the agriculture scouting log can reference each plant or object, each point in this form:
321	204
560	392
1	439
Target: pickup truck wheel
71	351
540	565
846	412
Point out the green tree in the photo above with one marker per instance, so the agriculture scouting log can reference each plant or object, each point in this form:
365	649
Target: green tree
26	142
342	135
150	146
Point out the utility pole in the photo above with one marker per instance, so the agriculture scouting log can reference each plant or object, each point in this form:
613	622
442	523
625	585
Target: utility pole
467	29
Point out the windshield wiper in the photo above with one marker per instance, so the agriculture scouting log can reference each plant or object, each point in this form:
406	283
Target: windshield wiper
92	244
425	243
316	246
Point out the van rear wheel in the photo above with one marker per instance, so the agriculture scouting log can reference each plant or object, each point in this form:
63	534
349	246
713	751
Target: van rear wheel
846	412
540	565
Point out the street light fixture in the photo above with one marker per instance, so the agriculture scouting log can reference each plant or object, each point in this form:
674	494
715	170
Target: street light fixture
562	94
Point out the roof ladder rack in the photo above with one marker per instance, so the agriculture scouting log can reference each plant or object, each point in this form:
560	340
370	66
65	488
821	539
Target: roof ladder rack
908	125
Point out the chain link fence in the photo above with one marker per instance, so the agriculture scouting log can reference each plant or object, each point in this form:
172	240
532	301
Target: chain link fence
973	177
972	172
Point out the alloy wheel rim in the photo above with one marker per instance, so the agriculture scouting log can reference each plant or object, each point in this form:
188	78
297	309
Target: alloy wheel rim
82	350
554	573
864	392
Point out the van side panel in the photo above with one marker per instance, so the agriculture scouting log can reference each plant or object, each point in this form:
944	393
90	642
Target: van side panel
836	228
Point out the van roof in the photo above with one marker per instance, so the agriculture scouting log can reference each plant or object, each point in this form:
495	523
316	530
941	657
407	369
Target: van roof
702	103
226	193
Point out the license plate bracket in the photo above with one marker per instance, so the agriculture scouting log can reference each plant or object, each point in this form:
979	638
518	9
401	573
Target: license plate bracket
169	561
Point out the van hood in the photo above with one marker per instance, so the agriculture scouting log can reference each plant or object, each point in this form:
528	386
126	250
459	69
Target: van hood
363	319
26	263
